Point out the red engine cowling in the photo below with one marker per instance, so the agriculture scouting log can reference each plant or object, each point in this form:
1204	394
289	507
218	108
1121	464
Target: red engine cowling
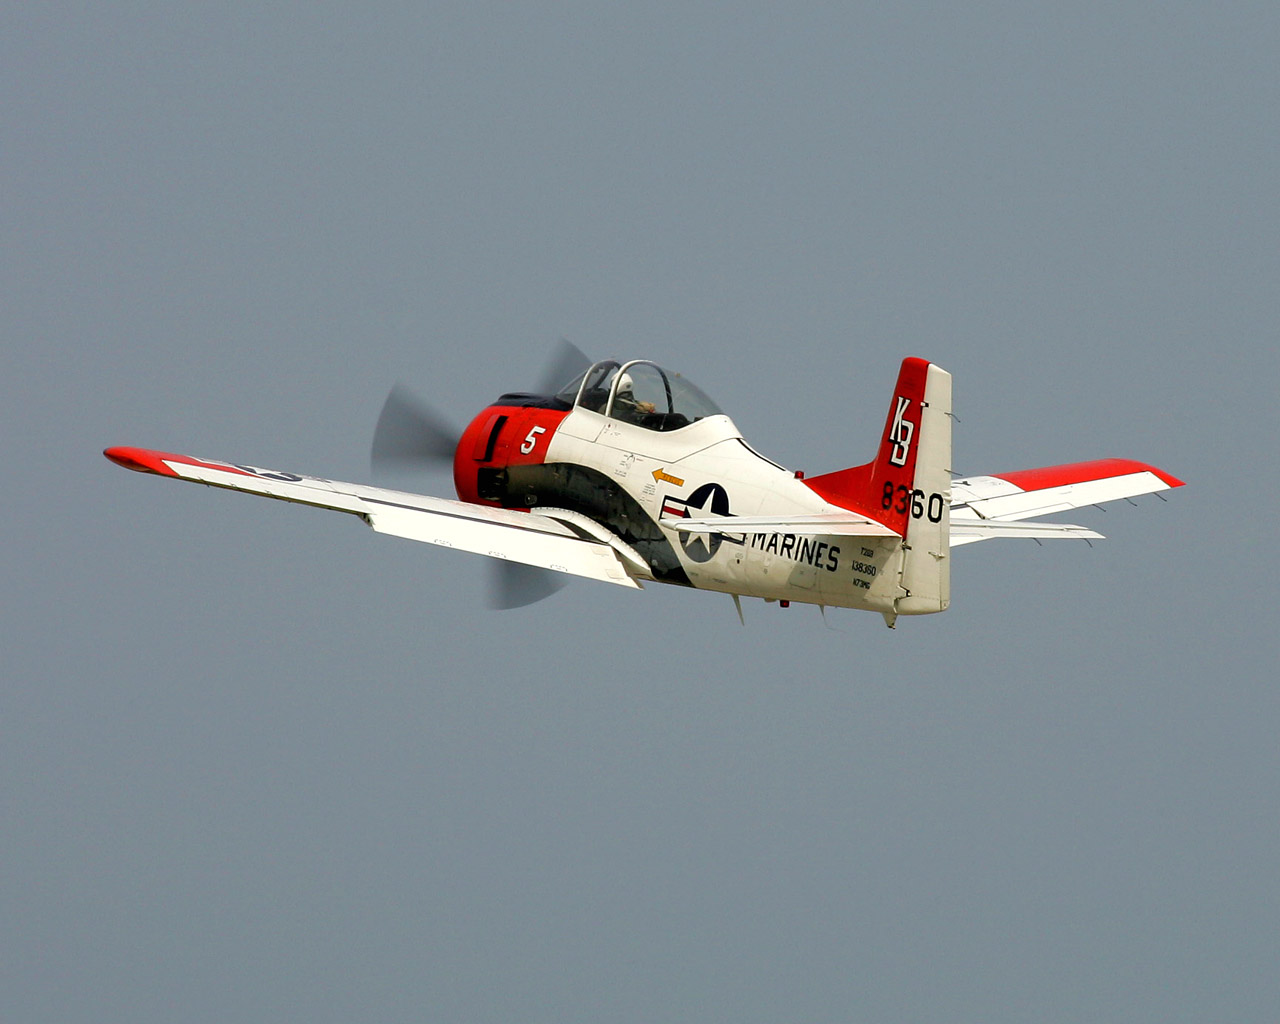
501	436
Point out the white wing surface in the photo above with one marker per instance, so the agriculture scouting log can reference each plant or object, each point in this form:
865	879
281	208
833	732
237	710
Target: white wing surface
983	507
533	539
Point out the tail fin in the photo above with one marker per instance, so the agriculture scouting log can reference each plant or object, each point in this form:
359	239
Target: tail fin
908	485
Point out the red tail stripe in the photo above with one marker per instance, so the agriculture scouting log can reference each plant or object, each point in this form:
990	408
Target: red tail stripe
875	490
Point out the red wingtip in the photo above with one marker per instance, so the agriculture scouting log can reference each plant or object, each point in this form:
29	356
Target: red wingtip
140	460
1081	472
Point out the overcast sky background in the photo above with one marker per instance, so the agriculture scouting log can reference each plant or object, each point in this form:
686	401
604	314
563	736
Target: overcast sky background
259	763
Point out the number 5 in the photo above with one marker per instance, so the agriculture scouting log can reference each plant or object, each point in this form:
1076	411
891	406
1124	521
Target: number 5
531	440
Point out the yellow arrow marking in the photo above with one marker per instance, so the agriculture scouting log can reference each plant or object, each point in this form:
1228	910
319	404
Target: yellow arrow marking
666	478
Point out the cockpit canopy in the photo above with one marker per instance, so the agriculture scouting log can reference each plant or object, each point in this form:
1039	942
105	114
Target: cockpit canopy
639	392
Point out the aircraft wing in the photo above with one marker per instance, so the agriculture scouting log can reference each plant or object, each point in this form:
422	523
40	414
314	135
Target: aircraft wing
992	506
531	538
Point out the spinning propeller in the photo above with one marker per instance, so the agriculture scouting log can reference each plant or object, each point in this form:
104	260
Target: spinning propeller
411	435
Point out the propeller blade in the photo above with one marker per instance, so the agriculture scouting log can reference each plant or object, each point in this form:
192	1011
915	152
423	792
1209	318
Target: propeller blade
566	362
410	434
514	584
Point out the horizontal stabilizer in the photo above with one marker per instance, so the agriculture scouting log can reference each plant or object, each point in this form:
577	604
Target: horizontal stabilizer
966	531
824	524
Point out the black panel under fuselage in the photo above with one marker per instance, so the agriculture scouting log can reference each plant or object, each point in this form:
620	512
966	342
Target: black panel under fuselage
591	493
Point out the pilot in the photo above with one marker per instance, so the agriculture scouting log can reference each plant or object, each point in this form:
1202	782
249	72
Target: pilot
625	404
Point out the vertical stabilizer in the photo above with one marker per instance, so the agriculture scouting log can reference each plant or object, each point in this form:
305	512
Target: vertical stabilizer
908	485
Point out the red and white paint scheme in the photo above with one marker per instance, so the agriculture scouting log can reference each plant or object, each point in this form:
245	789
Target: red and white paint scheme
630	474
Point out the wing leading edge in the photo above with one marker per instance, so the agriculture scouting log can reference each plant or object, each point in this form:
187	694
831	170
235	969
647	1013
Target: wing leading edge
542	540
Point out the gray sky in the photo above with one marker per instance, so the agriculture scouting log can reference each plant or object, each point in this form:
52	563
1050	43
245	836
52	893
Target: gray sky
258	763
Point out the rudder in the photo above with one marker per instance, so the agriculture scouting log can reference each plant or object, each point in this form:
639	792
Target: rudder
926	565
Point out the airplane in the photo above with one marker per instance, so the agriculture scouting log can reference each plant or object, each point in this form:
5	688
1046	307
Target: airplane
629	474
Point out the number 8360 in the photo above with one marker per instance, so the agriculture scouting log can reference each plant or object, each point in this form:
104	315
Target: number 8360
903	500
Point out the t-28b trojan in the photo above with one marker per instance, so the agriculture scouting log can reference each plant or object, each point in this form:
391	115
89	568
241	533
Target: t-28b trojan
630	474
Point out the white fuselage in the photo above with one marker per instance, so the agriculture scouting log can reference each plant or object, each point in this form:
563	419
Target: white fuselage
707	469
